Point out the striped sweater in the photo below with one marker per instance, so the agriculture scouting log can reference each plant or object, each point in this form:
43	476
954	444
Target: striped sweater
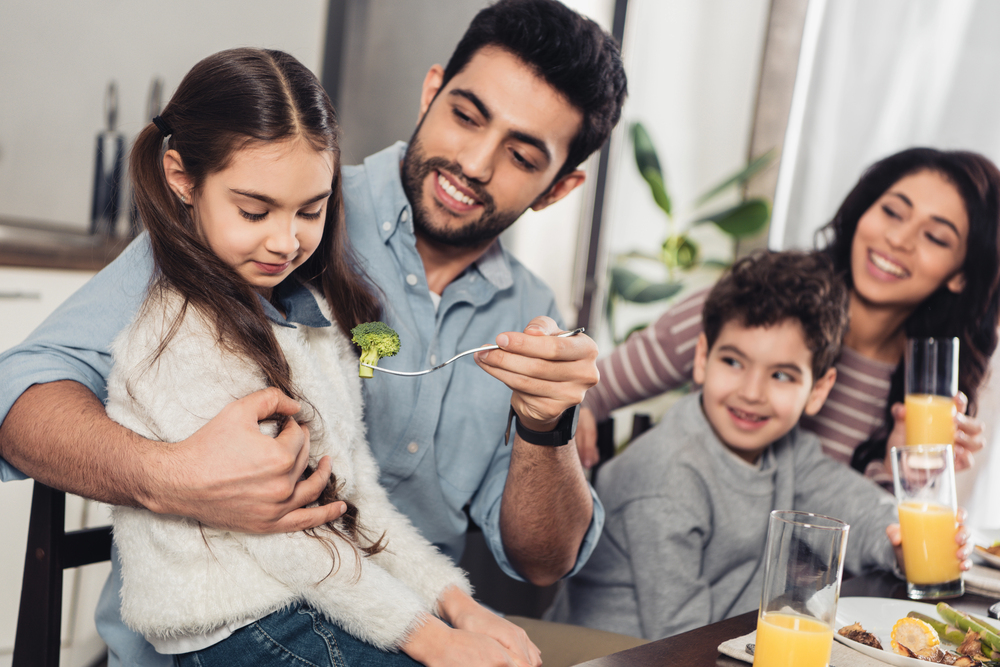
661	356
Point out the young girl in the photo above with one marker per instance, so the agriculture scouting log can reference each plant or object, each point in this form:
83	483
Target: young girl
917	240
255	286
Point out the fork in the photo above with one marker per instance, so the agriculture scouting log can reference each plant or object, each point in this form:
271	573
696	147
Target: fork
565	334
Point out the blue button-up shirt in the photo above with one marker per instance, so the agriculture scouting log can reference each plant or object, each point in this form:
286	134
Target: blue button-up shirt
438	438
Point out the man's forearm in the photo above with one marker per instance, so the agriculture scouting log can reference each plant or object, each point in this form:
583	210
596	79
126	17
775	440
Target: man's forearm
59	434
545	511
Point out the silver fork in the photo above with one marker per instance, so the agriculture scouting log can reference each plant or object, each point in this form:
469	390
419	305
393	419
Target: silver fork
565	334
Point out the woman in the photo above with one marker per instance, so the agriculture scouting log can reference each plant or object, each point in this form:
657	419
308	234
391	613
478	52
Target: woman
916	240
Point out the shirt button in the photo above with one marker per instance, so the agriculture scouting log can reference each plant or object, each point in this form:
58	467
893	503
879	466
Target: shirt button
386	226
411	280
405	215
413	448
434	359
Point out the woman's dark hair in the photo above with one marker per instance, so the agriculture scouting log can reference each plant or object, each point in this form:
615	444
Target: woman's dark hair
972	314
571	52
768	288
228	101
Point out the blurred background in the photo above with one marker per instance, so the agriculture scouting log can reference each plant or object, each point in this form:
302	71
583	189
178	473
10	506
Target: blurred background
816	89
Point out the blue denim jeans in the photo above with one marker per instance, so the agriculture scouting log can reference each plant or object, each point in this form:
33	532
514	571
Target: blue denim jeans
297	636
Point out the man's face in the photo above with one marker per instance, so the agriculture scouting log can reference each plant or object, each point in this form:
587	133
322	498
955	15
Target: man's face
487	147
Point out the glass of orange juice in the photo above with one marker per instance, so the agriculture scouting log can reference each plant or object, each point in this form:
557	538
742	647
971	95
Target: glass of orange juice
924	481
803	568
931	385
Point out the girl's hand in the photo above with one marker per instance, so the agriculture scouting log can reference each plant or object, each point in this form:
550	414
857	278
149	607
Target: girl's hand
895	536
436	645
969	437
897	438
465	613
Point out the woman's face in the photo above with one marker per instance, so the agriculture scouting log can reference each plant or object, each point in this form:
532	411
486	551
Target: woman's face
911	241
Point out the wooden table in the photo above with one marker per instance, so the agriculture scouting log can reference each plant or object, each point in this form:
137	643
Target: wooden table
699	648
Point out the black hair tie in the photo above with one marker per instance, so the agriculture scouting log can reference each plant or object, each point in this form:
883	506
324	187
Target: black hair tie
162	126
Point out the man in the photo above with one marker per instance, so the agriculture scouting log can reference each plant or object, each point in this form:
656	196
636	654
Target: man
531	90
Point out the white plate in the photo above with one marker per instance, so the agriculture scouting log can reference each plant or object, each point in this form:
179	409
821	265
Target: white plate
986	538
877	616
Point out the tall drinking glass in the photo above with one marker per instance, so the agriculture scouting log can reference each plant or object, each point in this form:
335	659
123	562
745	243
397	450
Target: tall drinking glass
803	568
924	480
931	385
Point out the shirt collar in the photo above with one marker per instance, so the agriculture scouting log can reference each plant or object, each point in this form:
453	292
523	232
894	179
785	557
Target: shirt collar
393	212
298	303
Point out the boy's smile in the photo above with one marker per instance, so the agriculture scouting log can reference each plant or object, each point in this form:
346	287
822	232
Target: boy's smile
757	382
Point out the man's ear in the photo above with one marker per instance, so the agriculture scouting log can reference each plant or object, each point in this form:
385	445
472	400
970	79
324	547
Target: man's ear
700	359
821	389
177	178
432	84
559	189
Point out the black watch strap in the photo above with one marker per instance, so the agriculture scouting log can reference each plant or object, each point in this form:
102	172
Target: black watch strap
563	432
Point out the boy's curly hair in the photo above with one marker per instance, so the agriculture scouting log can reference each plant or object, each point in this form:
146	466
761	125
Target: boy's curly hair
768	288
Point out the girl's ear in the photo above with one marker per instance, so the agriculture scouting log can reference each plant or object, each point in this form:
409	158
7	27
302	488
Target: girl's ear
177	178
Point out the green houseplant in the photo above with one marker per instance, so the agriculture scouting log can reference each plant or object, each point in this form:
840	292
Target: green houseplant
679	253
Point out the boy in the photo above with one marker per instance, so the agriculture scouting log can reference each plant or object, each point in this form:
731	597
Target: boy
687	504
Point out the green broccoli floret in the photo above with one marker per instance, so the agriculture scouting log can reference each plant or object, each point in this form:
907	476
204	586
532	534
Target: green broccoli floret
376	340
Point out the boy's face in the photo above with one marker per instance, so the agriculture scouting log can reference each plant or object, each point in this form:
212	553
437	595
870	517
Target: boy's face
757	382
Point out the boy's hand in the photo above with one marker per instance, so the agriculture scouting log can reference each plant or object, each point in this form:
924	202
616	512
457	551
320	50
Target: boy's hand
961	539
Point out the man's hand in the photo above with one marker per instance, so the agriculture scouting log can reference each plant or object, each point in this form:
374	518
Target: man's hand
229	475
547	374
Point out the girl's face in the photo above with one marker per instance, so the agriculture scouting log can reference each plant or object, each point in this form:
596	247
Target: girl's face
264	214
910	242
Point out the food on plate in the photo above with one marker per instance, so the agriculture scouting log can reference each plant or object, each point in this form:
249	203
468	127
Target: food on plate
995	549
960	639
376	340
912	636
856	633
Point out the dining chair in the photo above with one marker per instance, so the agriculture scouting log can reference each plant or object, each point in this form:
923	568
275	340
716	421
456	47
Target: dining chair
50	551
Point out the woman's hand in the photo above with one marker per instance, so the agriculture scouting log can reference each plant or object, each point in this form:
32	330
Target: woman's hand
965	546
969	437
436	645
464	613
586	438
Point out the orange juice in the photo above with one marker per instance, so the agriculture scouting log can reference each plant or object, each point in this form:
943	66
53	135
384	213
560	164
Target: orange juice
930	420
929	548
790	640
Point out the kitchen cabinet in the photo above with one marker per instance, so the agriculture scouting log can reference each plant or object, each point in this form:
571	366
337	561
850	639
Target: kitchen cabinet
28	296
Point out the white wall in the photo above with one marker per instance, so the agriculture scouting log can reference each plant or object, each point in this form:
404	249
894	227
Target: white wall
693	68
56	59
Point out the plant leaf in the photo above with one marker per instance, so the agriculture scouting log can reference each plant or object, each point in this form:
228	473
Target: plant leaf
630	286
649	166
741	176
745	219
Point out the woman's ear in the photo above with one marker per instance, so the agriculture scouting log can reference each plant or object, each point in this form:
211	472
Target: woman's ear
177	178
957	283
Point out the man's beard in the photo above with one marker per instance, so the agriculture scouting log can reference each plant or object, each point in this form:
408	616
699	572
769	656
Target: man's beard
416	168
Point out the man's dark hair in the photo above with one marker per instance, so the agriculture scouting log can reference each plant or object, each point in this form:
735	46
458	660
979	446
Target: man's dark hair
767	288
571	52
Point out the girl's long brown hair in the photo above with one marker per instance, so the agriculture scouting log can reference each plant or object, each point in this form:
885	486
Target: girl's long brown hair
227	101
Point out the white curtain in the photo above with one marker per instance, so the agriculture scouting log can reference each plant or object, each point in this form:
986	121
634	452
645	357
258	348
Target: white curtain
875	78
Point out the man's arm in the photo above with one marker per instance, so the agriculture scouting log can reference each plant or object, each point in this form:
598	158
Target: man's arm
547	505
226	475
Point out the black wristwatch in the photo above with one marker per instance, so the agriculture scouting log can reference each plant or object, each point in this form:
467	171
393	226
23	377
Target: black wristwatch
563	432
